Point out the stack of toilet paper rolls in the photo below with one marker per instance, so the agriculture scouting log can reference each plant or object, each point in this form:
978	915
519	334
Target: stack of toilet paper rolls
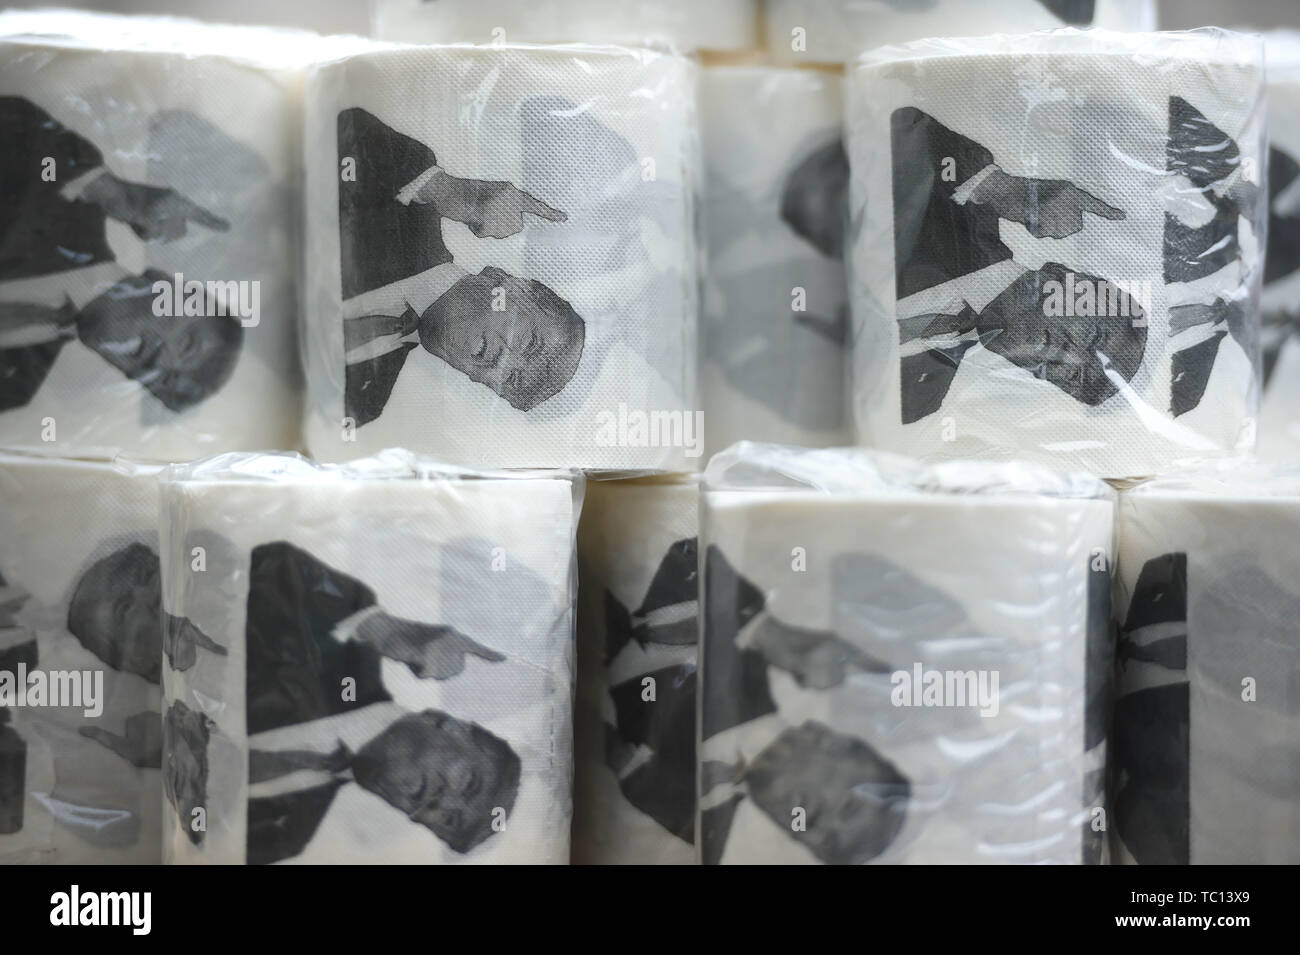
81	652
774	310
837	31
501	265
1072	279
377	666
683	24
147	249
1204	747
638	629
901	664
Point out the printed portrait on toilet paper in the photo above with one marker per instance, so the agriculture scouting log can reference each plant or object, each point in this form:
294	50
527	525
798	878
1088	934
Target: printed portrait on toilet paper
146	260
1089	265
503	257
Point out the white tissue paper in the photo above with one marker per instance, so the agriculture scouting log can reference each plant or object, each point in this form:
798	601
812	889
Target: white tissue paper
501	266
373	663
902	663
1073	278
638	628
774	311
80	658
1205	747
682	24
148	235
837	31
1279	414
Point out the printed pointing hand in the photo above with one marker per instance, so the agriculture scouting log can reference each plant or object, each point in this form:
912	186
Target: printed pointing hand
430	650
142	744
152	212
492	210
1048	208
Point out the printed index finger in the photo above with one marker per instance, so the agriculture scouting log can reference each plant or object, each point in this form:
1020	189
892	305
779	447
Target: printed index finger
205	218
1098	208
538	208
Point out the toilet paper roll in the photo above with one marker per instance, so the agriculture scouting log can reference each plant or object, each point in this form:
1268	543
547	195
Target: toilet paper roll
147	242
1072	279
838	31
638	627
774	313
377	663
80	654
1279	416
501	266
1205	758
716	25
901	664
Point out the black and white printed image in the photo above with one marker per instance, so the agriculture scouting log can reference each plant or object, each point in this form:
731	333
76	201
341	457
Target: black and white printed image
854	798
650	746
1203	155
54	236
1150	740
508	333
320	717
950	196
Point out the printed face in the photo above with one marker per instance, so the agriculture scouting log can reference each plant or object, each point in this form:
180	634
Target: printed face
854	800
506	334
449	776
181	360
115	611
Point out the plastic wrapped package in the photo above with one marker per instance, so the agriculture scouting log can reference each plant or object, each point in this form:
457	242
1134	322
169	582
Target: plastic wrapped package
1279	415
80	658
1206	741
148	235
681	24
1072	279
501	262
638	629
902	663
377	662
838	31
774	311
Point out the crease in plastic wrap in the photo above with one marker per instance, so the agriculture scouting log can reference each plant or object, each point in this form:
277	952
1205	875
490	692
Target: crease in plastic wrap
638	631
902	663
501	258
80	656
373	662
1206	746
679	24
1279	416
838	31
774	310
148	235
1073	278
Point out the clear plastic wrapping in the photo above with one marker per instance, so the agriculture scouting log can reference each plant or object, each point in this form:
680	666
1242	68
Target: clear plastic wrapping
80	657
1073	277
837	31
681	24
501	262
900	663
638	630
1279	416
1206	741
774	310
148	235
370	663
